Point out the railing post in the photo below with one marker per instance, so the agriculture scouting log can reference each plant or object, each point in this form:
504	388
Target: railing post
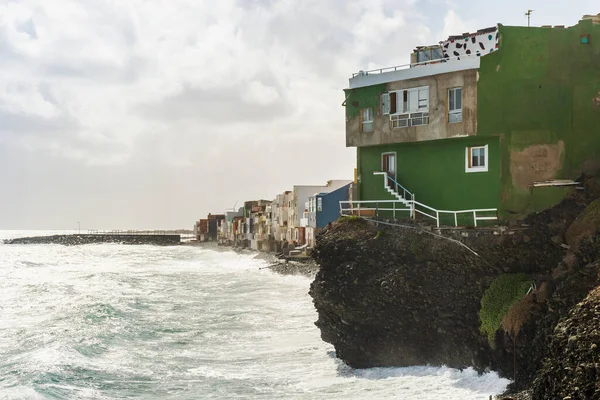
455	220
394	209
359	209
377	209
437	218
475	218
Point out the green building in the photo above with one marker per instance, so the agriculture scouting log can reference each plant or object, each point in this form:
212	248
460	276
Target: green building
494	125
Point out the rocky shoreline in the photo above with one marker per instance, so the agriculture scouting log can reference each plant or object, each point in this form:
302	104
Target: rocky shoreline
304	266
400	296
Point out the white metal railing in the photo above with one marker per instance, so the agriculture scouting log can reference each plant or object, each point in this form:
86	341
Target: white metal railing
409	204
374	208
367	208
406	120
406	66
406	194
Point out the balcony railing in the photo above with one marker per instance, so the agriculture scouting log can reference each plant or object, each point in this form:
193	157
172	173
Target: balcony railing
406	120
406	66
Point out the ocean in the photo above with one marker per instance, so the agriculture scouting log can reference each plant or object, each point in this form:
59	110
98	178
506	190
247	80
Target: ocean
144	322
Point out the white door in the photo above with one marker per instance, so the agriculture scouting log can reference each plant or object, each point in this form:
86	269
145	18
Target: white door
388	161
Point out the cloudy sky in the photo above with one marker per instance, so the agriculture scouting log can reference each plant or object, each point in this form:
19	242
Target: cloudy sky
150	113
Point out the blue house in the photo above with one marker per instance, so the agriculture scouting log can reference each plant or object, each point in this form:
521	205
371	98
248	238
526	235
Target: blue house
324	208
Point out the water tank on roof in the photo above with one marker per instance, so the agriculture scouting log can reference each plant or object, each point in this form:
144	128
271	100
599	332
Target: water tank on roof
595	18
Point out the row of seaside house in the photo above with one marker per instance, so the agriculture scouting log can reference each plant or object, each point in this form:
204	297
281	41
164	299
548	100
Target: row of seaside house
288	223
480	129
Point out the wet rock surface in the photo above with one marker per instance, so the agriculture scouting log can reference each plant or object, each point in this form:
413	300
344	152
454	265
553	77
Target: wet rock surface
305	268
80	239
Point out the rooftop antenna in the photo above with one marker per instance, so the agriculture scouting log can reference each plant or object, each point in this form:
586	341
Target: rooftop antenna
232	209
528	13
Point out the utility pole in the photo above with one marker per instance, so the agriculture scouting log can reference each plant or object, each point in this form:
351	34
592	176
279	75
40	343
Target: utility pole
528	13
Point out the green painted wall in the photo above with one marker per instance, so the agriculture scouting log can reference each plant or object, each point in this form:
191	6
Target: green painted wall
540	88
435	172
367	97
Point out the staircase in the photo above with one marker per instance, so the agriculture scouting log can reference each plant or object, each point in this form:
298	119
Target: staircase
403	196
407	199
396	195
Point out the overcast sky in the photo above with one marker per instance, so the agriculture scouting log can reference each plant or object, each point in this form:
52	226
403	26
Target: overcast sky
152	113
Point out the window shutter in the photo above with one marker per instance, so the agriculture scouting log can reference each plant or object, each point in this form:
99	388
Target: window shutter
393	103
424	99
360	121
385	104
400	103
413	101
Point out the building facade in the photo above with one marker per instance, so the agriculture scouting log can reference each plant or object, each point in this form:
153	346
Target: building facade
502	122
324	208
298	207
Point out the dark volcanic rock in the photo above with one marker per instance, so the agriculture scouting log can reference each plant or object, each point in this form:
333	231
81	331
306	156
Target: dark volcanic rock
401	296
405	297
79	239
572	368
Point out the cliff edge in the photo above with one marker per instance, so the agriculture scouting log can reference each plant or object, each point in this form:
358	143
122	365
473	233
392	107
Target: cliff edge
399	296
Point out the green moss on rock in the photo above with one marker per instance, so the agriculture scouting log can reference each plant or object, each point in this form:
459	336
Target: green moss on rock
504	291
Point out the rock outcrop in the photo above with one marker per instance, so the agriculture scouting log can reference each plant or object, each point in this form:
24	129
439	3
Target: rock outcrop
572	368
403	296
80	239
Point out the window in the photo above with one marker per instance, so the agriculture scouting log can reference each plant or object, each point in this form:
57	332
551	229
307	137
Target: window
409	107
455	105
585	39
385	104
476	159
366	120
319	204
429	54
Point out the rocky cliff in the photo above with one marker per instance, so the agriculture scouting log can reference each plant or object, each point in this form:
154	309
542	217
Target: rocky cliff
398	296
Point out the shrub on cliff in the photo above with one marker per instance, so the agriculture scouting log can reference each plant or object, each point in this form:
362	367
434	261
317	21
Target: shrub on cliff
504	291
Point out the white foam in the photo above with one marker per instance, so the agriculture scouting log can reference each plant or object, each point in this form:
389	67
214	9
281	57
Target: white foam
183	320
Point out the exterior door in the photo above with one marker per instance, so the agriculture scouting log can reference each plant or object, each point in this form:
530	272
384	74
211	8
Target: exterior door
388	165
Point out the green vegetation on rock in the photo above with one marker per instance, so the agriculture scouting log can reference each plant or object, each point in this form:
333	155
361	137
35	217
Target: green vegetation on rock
349	218
504	291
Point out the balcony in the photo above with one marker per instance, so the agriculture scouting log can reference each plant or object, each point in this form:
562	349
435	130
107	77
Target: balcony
406	120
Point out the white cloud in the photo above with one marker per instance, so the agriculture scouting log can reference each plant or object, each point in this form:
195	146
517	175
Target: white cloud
199	90
257	93
455	25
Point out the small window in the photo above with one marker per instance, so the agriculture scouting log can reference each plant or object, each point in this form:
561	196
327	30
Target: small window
437	53
367	120
585	39
320	204
476	159
424	55
385	104
455	105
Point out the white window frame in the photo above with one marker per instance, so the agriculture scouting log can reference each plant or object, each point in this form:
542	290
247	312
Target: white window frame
456	112
468	153
319	204
405	117
366	121
385	104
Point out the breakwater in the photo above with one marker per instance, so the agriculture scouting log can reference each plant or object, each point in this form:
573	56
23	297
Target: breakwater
79	239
